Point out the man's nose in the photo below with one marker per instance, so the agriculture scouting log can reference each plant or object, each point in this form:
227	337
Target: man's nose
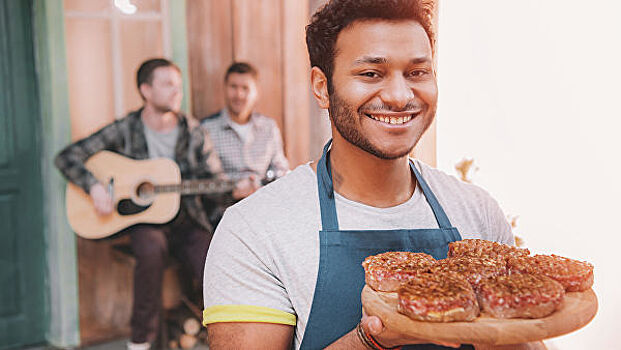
397	93
240	93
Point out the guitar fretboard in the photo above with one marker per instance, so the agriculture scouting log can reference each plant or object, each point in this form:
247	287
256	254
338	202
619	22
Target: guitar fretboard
188	187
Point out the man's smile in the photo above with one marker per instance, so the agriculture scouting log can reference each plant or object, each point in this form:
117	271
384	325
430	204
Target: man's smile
395	118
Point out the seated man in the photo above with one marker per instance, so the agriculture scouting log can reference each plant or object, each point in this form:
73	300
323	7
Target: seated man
157	129
249	144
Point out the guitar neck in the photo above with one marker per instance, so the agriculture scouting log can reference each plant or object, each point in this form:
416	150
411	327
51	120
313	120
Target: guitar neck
190	187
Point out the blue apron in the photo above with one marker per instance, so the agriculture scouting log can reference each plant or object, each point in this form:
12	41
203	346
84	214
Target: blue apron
336	307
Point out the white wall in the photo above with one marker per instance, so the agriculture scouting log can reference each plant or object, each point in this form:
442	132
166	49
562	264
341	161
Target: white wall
531	90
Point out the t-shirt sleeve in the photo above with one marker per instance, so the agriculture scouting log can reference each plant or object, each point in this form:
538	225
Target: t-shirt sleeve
239	282
498	225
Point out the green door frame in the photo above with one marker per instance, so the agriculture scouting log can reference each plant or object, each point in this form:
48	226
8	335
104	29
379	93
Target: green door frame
51	63
179	42
50	59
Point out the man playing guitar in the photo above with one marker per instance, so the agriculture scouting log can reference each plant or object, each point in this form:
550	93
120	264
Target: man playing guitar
157	129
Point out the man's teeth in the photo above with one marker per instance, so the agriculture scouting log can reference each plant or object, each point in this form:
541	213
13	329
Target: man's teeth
392	120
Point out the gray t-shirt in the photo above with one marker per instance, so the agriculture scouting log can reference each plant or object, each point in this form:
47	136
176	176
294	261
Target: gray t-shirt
263	261
161	144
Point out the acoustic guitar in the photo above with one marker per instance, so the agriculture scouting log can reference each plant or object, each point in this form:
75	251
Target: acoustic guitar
143	191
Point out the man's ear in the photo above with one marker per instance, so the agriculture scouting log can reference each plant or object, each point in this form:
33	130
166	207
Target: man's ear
319	84
145	91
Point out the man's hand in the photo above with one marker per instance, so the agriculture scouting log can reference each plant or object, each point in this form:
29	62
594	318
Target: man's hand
538	345
246	187
101	199
374	327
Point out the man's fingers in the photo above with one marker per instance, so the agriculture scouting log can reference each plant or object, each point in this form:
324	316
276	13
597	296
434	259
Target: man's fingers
254	181
104	209
109	206
241	185
373	325
104	206
107	203
101	199
101	209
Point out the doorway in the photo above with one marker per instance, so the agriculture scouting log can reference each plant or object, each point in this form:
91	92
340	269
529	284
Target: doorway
23	312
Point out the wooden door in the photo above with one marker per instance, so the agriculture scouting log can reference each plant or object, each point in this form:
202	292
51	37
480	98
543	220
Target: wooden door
23	312
268	34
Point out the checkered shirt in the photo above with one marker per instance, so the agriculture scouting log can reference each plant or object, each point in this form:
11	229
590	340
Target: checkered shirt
261	153
194	154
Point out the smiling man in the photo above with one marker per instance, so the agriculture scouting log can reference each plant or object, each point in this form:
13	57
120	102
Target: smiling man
295	279
248	143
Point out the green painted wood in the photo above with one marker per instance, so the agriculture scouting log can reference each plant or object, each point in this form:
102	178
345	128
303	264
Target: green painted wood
9	266
22	257
179	42
49	28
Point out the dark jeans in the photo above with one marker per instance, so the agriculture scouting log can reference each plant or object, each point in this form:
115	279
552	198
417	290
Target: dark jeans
151	245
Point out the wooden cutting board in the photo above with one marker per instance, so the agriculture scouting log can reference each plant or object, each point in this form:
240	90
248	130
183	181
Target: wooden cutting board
575	312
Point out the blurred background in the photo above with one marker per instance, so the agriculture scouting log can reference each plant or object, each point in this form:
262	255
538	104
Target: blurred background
528	92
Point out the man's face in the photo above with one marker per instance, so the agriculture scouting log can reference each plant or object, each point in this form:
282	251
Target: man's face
384	88
241	93
165	91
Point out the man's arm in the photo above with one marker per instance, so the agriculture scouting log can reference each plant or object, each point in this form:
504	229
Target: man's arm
374	329
348	341
203	155
70	161
279	163
211	165
223	336
207	164
259	336
246	304
237	335
538	345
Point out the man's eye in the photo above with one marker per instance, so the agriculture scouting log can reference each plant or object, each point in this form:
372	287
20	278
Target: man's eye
370	74
418	73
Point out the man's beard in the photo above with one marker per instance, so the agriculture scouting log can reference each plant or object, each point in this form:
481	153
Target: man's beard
344	119
165	108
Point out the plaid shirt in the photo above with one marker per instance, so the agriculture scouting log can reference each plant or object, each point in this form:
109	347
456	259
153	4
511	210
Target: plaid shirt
193	154
261	153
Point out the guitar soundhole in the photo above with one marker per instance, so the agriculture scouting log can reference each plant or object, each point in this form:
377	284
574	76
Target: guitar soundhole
145	191
127	207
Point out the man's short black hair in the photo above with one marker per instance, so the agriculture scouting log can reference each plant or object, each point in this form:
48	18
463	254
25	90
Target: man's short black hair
145	72
336	15
241	68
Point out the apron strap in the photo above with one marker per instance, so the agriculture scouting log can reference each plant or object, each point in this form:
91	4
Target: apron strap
329	220
438	211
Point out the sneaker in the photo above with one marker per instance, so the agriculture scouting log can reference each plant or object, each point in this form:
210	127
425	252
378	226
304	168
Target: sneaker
138	346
